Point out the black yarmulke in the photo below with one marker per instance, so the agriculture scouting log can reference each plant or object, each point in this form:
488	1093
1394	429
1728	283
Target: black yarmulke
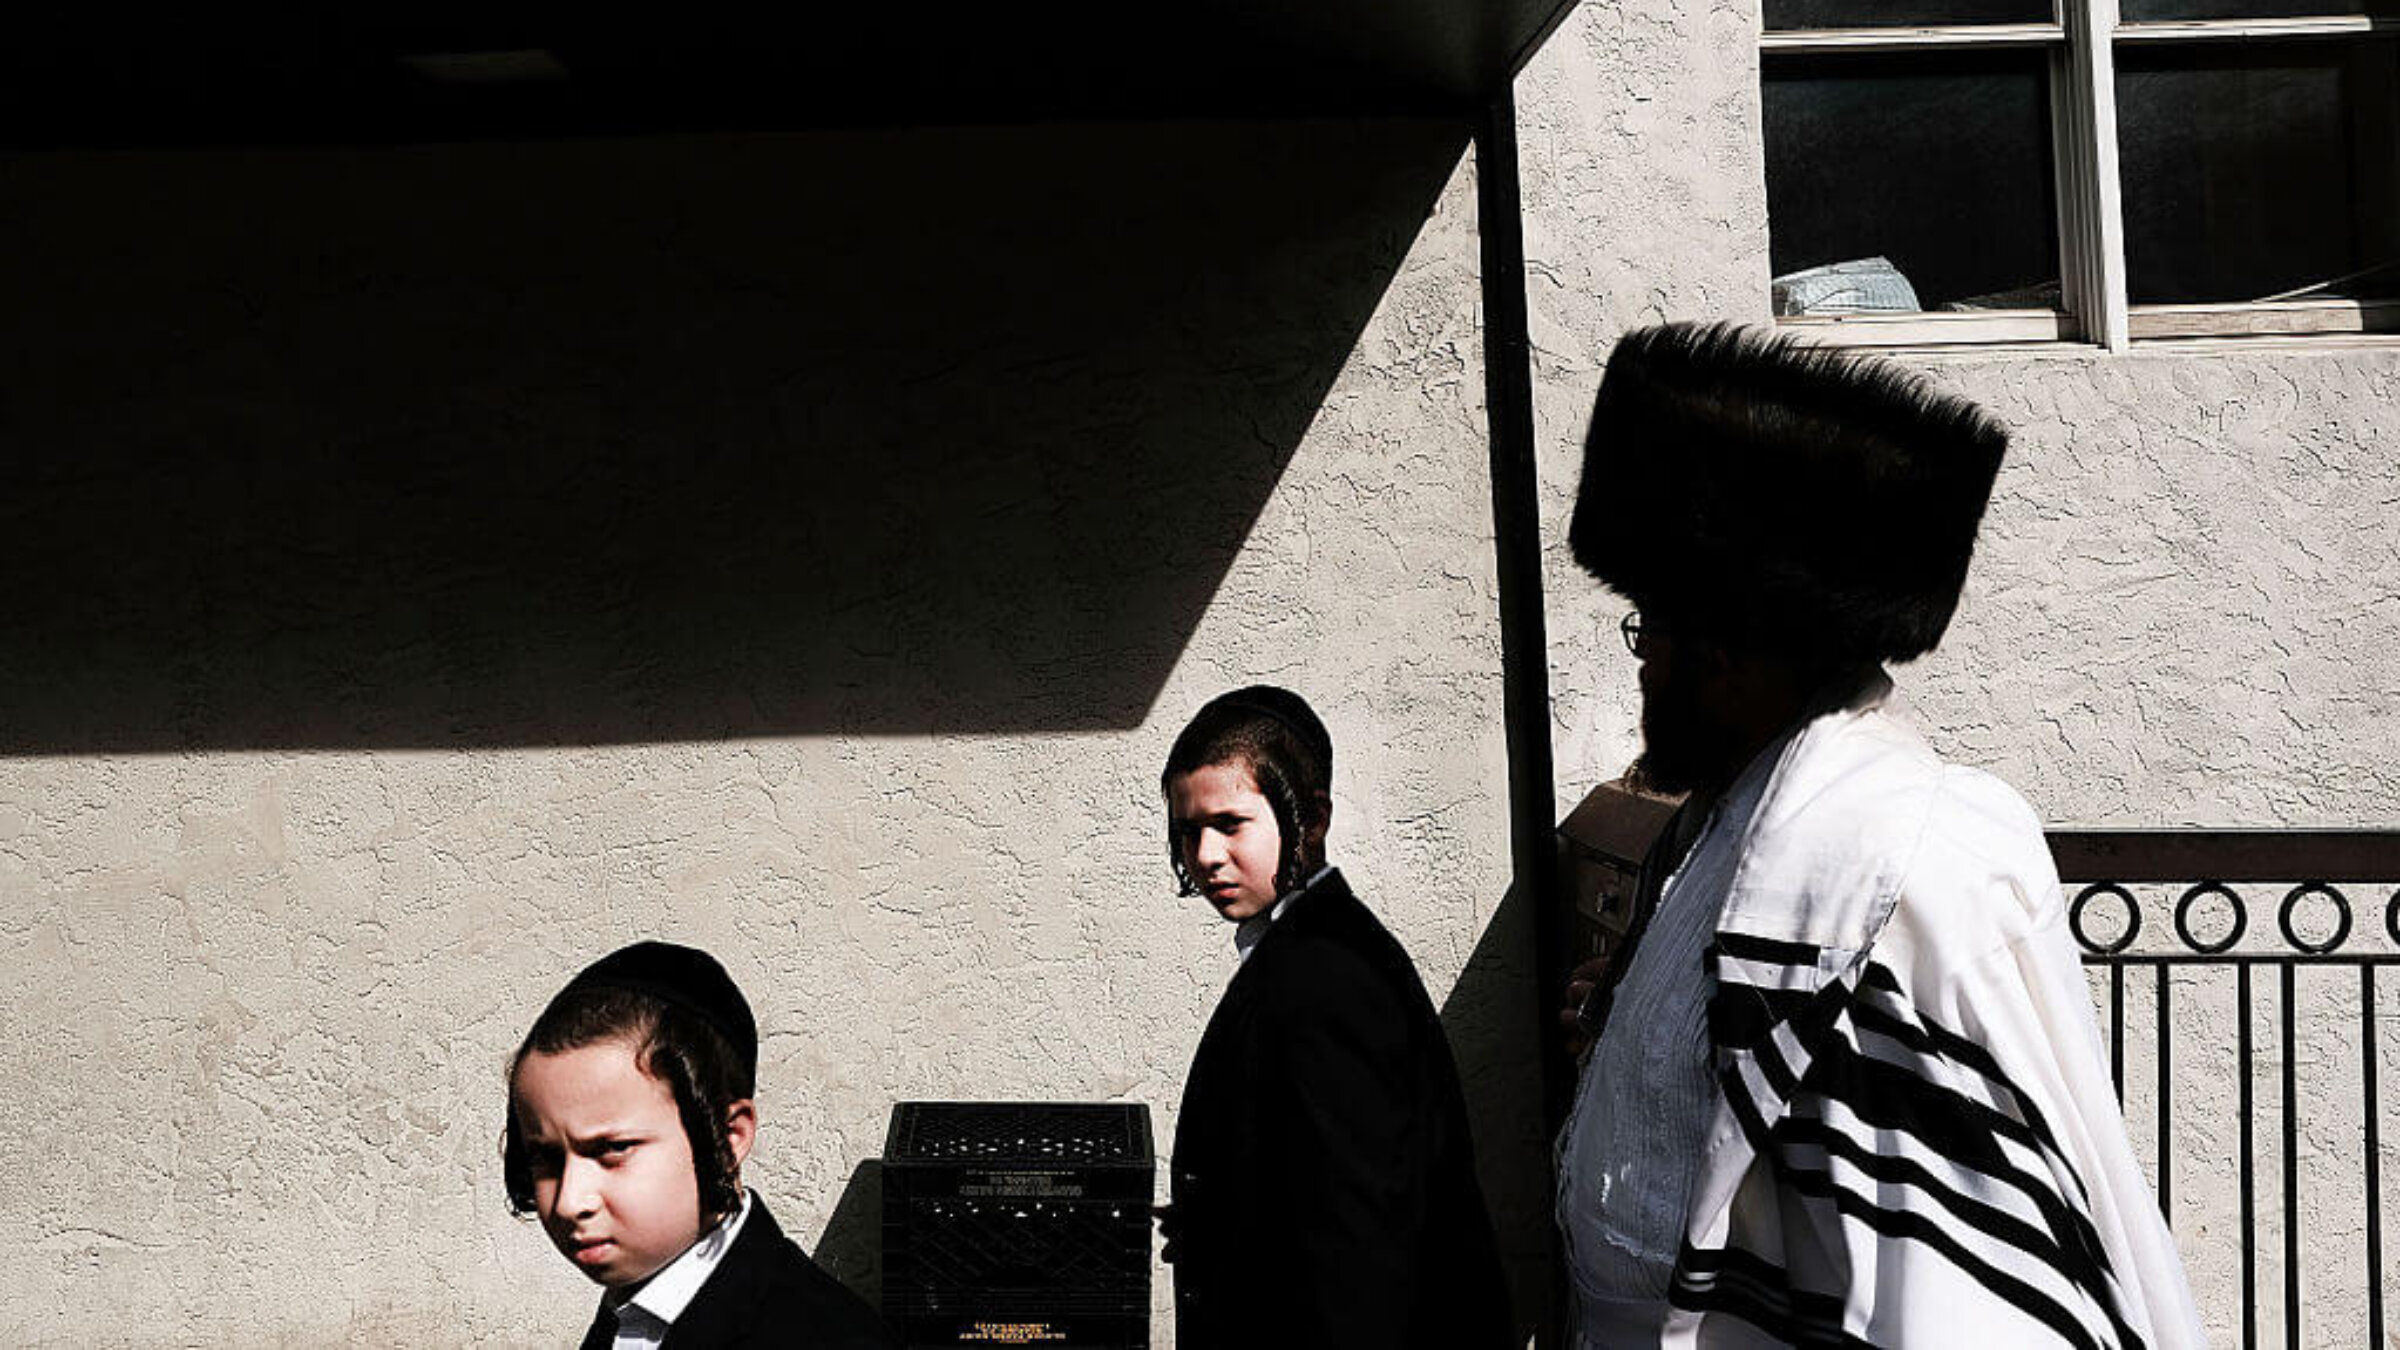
1281	705
686	977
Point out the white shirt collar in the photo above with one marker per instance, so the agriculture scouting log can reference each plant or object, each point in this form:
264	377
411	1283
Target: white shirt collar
661	1300
1247	933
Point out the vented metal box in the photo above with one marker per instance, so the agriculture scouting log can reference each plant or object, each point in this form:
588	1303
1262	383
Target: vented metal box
1601	845
1018	1223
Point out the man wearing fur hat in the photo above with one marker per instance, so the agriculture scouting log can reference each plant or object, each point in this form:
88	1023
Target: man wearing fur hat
1846	1086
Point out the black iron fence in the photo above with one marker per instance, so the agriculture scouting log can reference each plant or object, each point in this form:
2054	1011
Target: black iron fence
2336	903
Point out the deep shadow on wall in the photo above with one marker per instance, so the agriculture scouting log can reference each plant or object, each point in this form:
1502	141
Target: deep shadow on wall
603	441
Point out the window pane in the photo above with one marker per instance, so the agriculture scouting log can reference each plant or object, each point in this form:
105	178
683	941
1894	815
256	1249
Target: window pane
2257	171
2150	11
1922	180
1786	15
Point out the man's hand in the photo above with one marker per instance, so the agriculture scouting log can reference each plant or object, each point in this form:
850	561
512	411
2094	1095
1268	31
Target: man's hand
1580	983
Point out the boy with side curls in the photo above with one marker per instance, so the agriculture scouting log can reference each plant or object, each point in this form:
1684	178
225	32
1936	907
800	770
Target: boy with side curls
630	1114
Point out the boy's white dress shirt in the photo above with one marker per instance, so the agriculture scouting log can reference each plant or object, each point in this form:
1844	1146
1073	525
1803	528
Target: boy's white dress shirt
643	1319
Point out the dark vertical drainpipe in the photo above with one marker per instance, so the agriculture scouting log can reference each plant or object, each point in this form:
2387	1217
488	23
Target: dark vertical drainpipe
1516	524
1524	644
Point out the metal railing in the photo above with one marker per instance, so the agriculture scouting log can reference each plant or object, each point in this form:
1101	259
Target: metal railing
2316	874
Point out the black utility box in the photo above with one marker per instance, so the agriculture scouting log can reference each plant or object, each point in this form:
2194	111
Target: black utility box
1018	1223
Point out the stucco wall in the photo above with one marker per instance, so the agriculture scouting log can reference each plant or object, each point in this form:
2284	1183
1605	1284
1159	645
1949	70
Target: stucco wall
299	826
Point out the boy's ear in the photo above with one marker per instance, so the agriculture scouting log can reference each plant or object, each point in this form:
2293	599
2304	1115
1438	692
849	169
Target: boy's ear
741	1128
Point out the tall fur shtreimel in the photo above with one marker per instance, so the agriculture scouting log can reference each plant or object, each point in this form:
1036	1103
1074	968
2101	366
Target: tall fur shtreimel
1777	493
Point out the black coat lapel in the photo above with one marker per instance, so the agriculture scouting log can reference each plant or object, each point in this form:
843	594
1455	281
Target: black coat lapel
1325	906
728	1300
766	1292
602	1334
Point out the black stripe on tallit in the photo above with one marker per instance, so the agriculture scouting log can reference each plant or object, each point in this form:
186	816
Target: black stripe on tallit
1768	951
1917	1228
2030	1133
1932	1037
1890	1095
1959	1128
1740	1015
1767	1053
2052	1248
1956	1127
1887	1096
2068	1230
1743	1016
1965	1132
1736	1283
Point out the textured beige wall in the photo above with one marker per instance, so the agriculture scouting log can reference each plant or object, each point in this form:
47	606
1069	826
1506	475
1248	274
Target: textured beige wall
259	996
259	982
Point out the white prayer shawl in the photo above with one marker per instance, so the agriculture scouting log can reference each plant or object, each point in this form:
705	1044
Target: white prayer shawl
1918	1142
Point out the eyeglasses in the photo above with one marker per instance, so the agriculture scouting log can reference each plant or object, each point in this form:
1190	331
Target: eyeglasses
1632	628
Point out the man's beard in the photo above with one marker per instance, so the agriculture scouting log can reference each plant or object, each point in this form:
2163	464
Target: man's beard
1683	748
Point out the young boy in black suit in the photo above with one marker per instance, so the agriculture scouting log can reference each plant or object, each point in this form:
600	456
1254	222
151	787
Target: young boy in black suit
1323	1181
630	1113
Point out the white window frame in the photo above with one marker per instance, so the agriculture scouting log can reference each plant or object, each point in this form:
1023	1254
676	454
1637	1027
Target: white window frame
2094	306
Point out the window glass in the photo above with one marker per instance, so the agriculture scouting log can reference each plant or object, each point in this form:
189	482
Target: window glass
2151	11
1908	183
2259	171
1788	15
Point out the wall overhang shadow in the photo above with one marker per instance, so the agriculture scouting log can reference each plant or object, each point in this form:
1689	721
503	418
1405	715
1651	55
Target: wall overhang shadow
586	441
434	71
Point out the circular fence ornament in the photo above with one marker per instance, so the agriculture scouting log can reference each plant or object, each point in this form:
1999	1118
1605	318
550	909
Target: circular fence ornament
2341	920
2391	918
2133	918
2183	919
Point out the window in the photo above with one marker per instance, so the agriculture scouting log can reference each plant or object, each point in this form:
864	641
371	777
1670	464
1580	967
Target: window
2113	170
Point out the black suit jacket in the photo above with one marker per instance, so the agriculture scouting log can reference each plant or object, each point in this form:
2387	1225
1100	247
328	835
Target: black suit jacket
765	1292
1323	1181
